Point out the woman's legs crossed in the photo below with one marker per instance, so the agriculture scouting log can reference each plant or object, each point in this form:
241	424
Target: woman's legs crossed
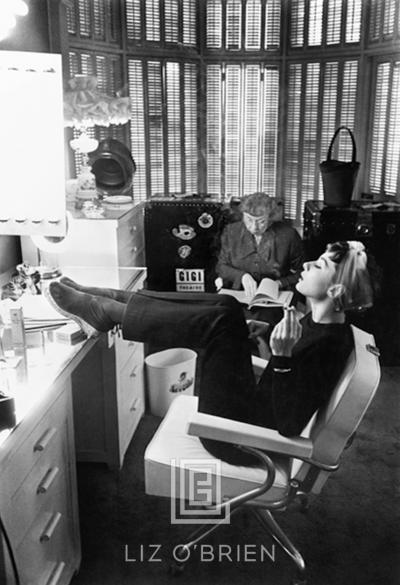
216	324
212	322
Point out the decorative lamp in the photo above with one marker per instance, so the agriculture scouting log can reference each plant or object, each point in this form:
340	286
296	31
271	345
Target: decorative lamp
85	106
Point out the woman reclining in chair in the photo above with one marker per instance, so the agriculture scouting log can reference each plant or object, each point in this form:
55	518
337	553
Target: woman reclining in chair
308	356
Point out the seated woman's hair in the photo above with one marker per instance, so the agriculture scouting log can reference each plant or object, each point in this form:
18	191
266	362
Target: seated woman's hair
258	204
354	273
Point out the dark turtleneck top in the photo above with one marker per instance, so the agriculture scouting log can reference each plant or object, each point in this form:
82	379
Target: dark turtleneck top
292	388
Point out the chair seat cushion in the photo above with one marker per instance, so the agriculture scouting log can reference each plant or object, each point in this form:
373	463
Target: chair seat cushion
172	452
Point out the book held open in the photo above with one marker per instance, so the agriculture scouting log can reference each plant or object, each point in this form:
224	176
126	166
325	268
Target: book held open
266	295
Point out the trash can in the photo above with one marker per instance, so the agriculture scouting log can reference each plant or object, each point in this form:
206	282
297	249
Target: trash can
169	374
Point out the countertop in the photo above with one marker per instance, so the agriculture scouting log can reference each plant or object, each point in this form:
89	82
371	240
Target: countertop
48	362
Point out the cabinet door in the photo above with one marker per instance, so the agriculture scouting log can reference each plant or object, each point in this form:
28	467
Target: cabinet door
41	513
130	388
95	406
130	238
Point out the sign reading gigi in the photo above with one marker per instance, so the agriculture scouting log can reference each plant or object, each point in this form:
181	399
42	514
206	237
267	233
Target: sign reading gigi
189	279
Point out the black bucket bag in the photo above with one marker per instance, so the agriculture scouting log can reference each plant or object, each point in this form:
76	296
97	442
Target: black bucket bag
338	177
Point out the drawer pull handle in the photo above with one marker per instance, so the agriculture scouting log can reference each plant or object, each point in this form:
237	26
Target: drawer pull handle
50	528
44	440
55	576
45	484
133	372
134	405
131	343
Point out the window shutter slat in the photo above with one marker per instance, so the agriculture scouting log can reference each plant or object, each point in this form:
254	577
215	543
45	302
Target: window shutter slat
353	21
292	142
232	129
233	24
253	25
392	159
138	140
348	107
272	24
214	86
329	111
378	127
84	18
270	142
251	128
334	22
173	127
189	22
214	24
171	21
315	23
152	20
308	183
156	134
297	23
191	159
133	18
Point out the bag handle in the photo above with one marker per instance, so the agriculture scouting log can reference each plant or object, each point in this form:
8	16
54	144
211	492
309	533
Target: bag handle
354	155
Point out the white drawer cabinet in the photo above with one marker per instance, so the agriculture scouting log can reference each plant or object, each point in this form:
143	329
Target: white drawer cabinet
108	397
115	240
38	500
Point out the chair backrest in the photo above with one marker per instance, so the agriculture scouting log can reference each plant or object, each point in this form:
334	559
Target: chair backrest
332	427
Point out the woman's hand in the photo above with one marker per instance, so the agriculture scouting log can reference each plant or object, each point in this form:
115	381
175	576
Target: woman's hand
286	333
249	285
257	329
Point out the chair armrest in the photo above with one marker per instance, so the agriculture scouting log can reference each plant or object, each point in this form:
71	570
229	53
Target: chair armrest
259	364
209	426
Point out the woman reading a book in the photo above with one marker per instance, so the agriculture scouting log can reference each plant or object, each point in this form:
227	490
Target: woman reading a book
259	246
308	356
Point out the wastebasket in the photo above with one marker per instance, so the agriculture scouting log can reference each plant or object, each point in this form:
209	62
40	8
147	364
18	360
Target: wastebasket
169	374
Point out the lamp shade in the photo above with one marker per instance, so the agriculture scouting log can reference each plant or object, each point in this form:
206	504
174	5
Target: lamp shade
86	106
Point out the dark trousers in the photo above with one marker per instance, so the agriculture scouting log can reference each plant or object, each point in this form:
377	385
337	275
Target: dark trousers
216	324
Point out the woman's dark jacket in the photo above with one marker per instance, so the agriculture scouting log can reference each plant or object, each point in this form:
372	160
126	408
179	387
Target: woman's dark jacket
279	255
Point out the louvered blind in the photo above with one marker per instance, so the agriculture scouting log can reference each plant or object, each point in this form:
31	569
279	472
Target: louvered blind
133	16
222	59
272	24
242	114
343	22
270	110
168	21
94	20
321	96
214	24
189	22
138	126
384	20
152	19
225	22
253	25
154	107
171	20
164	142
333	26
353	21
173	100
315	23
214	129
233	24
191	134
385	150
